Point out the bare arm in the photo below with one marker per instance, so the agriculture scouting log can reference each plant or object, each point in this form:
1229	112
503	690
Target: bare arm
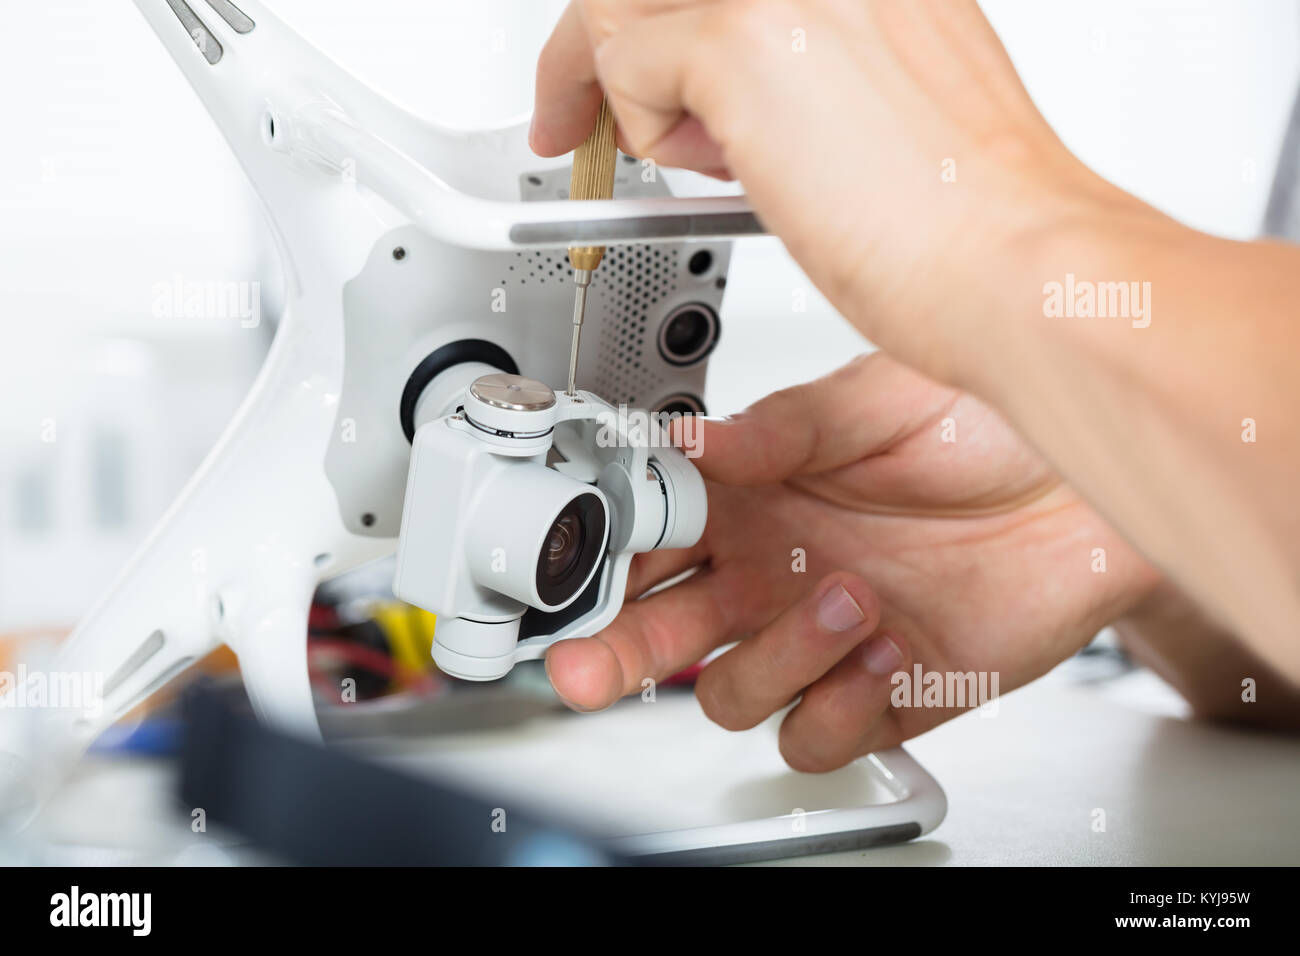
1185	432
1216	673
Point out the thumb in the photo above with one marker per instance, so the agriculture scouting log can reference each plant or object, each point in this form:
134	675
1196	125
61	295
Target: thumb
853	412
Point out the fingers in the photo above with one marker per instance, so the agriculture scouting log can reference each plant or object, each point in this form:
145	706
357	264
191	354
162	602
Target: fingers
656	70
848	713
765	672
688	146
654	638
567	95
836	420
653	568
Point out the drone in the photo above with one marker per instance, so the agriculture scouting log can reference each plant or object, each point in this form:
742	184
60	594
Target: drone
415	258
408	402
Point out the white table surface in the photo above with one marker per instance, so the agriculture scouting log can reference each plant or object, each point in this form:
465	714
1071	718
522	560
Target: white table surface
1022	786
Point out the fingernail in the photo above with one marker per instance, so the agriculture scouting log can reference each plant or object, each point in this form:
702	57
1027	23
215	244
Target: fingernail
838	611
578	708
564	700
882	656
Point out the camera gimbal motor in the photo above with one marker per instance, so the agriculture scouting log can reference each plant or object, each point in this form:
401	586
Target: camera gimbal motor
524	504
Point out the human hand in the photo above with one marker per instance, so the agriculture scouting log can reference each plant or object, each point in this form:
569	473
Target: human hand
962	555
889	144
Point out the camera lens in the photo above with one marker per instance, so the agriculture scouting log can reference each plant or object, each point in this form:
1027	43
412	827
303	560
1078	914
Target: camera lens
571	549
563	546
688	334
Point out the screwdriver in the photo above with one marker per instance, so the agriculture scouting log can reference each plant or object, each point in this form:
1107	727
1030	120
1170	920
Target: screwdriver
592	178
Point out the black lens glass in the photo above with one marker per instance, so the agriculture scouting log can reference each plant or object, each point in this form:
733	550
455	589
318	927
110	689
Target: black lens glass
687	333
563	546
571	549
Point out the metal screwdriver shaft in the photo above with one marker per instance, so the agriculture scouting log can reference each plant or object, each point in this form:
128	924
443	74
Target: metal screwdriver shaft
583	279
592	178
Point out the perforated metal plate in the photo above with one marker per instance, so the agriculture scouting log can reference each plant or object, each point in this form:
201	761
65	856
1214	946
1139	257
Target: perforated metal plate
399	309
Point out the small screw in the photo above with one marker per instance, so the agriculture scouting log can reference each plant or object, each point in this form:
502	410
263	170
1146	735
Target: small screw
399	253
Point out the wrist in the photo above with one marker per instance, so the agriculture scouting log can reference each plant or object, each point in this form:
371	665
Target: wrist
1101	579
1063	286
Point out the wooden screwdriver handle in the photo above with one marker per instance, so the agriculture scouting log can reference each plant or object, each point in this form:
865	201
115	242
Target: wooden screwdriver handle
593	178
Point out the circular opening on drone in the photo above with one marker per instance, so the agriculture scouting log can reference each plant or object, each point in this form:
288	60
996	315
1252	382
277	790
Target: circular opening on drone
688	334
439	361
682	403
571	549
700	263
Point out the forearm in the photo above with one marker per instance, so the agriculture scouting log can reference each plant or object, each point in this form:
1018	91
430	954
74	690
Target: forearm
1215	672
1150	417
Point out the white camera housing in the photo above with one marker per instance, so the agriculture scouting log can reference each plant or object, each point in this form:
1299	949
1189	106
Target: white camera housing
524	507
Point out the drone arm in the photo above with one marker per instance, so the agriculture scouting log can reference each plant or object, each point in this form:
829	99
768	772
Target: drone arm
331	139
270	640
285	108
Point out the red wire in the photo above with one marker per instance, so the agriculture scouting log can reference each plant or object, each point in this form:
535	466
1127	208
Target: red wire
359	655
373	660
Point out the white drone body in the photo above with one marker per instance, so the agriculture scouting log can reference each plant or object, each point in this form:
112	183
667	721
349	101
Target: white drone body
396	238
400	240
